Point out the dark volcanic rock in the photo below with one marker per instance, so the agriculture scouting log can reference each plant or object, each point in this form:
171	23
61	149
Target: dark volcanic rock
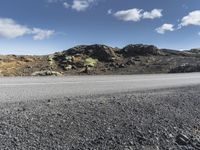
170	52
196	51
100	52
132	59
140	49
182	139
185	69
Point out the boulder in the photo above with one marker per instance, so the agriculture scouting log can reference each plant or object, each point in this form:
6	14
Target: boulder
69	67
90	62
100	52
140	49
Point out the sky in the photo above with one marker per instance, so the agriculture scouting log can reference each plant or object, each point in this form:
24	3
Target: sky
47	26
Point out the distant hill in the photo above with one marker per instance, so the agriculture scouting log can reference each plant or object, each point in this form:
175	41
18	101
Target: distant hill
102	59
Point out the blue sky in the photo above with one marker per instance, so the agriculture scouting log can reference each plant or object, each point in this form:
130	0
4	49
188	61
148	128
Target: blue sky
46	26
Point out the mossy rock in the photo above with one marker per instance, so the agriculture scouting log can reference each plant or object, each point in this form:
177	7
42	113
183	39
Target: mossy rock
90	62
50	57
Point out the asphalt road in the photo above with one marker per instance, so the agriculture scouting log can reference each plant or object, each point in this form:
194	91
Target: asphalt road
36	88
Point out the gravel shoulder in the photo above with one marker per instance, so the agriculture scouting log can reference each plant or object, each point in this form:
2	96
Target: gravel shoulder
167	119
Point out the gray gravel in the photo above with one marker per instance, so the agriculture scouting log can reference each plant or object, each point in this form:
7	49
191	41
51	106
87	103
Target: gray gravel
166	119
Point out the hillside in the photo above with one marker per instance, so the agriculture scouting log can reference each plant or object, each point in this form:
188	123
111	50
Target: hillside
102	59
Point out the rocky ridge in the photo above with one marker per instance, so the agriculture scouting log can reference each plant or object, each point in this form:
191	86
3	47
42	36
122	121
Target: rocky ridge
102	59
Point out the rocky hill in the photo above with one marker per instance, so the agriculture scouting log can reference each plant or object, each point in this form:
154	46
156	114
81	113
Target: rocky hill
102	59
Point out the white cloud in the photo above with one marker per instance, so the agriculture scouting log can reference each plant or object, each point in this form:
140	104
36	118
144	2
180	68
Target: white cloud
136	14
40	34
78	5
165	27
193	18
10	29
199	33
66	5
81	5
129	15
155	13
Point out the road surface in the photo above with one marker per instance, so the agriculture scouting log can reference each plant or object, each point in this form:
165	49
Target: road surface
36	88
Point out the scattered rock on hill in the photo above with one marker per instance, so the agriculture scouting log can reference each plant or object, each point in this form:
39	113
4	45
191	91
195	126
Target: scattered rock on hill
46	73
102	59
186	68
196	51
